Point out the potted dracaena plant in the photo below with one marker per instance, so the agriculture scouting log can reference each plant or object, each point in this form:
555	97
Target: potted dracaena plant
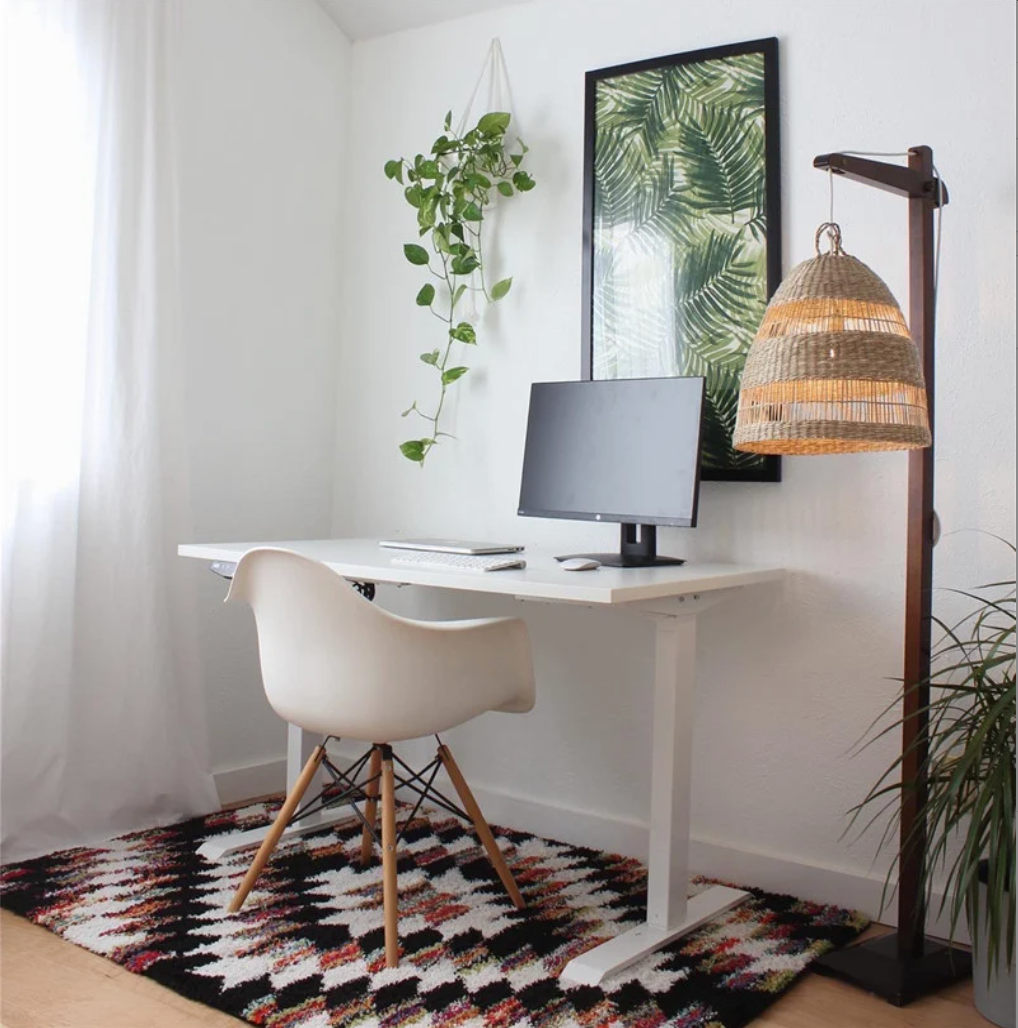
451	189
969	813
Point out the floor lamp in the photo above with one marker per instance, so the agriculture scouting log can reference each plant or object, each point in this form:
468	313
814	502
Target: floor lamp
835	369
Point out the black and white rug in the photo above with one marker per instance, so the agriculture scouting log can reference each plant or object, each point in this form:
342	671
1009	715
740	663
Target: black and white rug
307	949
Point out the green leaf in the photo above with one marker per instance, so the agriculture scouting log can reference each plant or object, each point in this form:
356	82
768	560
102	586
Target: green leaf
413	195
448	120
394	170
415	254
431	358
441	238
715	288
464	332
493	124
451	374
722	154
499	289
458	293
464	265
414	449
471	212
426	295
523	182
516	158
428	169
409	409
505	188
426	217
441	145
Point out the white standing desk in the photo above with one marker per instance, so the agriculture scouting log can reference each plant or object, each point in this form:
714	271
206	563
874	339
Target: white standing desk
671	597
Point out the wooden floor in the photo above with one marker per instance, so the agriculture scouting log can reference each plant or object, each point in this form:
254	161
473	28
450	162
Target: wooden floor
48	983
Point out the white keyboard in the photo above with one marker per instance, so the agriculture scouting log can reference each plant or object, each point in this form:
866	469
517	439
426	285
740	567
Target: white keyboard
460	561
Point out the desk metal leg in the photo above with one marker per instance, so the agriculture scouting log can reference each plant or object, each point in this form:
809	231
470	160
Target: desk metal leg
299	745
669	913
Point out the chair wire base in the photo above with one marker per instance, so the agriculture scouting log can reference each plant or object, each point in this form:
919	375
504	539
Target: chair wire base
346	789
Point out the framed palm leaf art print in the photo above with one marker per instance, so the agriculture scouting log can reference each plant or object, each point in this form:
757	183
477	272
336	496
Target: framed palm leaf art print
682	227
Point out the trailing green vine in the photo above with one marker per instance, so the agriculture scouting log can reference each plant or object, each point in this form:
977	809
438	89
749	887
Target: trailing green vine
451	190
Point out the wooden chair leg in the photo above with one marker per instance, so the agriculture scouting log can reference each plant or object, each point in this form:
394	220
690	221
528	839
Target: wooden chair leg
278	826
481	826
371	806
390	894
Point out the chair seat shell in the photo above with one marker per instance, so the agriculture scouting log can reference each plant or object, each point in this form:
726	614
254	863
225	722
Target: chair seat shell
337	664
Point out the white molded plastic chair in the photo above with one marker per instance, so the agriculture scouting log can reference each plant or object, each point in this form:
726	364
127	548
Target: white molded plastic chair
335	664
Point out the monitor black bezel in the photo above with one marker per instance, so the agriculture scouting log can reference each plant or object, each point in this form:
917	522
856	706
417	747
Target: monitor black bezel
620	519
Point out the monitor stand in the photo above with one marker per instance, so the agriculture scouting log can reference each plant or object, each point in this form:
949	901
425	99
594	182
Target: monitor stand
637	549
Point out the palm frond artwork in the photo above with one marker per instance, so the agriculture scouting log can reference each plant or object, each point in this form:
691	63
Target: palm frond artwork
683	249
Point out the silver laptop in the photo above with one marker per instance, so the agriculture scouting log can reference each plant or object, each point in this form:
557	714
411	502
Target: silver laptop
448	546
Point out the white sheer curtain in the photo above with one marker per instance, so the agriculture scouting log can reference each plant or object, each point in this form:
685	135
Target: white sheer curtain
102	713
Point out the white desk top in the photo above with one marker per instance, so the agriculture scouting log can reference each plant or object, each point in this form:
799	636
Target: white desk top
543	579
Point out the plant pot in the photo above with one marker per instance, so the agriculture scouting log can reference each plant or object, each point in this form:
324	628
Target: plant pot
994	998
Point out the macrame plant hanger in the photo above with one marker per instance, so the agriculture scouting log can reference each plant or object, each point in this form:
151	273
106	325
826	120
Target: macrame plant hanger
499	98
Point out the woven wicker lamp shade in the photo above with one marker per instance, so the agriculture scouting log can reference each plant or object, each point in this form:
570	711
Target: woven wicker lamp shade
833	368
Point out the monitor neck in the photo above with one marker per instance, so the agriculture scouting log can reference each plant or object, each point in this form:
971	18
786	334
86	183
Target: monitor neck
638	544
638	548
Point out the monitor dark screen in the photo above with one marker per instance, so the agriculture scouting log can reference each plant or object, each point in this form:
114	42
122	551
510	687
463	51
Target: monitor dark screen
625	450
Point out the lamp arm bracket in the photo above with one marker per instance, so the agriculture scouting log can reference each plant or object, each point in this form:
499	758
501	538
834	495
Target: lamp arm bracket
891	177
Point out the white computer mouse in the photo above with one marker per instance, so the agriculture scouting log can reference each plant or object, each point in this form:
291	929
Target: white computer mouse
580	564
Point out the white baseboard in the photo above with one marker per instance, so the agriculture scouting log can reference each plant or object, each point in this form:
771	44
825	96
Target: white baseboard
599	830
243	783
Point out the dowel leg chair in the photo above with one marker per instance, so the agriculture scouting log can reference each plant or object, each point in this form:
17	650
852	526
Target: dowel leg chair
335	664
371	805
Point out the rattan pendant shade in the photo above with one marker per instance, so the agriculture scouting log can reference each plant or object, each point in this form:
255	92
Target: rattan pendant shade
833	368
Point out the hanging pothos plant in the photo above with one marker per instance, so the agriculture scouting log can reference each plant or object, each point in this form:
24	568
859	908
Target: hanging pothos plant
451	190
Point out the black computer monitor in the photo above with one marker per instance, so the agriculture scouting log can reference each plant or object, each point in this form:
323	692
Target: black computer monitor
625	450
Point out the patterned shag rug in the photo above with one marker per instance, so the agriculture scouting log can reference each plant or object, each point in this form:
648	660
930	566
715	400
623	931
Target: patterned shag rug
307	949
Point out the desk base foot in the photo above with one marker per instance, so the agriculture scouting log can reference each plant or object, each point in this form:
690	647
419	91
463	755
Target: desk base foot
592	967
225	845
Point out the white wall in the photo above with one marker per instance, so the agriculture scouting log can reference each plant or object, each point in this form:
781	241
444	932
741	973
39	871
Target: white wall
792	676
263	127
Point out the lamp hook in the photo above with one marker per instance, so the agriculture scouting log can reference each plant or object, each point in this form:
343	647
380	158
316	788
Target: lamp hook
834	236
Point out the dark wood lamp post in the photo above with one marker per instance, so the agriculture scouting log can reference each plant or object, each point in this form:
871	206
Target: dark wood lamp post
832	370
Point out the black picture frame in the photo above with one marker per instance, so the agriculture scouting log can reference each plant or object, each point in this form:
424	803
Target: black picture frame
764	280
